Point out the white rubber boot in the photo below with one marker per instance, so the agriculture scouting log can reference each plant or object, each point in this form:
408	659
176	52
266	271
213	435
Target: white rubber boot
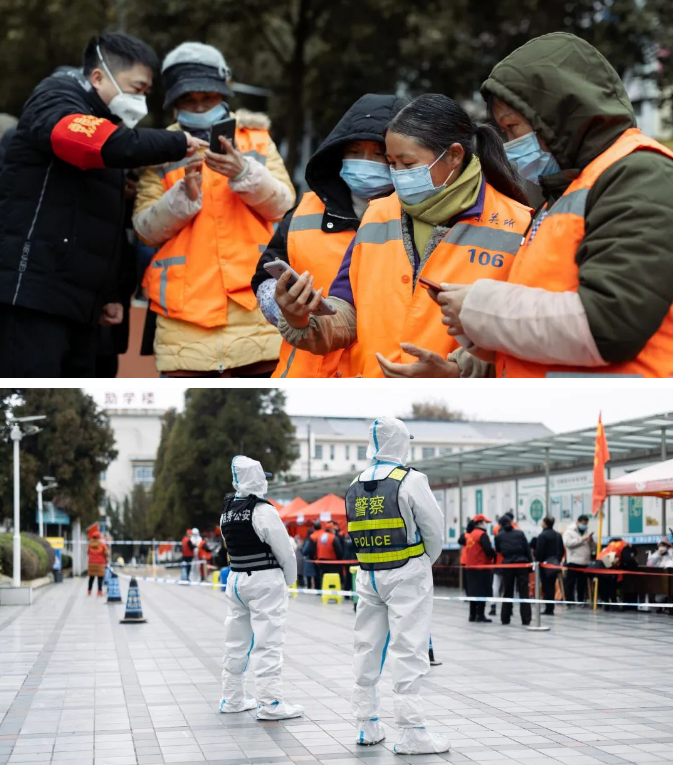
237	706
421	741
370	732
279	710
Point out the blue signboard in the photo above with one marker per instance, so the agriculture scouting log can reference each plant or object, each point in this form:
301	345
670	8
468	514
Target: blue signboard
53	514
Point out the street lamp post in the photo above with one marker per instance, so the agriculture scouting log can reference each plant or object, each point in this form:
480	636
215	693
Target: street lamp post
16	434
50	484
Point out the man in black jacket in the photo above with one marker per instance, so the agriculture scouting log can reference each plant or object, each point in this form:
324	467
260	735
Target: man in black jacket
549	549
62	206
514	548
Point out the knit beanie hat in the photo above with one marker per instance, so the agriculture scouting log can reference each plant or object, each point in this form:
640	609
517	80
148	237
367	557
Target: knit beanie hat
193	67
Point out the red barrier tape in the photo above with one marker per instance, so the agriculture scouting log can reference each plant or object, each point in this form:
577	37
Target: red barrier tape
601	571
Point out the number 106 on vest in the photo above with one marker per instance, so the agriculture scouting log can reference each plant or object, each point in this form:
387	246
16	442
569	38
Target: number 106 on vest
484	258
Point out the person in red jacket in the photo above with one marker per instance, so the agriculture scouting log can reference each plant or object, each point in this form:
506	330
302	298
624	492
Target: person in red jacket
478	581
98	558
187	554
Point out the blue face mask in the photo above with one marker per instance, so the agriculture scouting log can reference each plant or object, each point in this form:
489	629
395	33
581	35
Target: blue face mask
530	159
581	527
202	120
365	178
415	185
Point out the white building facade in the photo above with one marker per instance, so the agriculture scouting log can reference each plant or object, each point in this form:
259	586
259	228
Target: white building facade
328	446
137	436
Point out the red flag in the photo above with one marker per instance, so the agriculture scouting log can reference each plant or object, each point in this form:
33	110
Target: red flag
601	456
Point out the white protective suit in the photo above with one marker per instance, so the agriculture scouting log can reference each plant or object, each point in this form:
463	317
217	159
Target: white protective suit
258	603
394	610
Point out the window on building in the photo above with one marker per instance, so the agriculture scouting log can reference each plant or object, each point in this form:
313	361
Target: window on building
446	450
143	474
362	453
428	451
318	452
332	451
348	451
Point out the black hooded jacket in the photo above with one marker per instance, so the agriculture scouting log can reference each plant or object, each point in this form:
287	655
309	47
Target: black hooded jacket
60	224
364	121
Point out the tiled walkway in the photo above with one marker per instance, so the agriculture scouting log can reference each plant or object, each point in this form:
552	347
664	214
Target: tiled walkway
78	688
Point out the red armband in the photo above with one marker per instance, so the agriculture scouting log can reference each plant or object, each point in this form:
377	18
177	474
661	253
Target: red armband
79	138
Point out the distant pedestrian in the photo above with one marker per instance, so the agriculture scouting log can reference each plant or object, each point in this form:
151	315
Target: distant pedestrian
299	555
98	558
514	547
549	549
478	581
578	542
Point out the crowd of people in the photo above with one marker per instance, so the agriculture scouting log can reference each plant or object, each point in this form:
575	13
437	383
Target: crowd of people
573	553
427	245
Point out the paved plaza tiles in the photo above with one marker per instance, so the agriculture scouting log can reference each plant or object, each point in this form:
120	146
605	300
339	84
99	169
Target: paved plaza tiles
79	688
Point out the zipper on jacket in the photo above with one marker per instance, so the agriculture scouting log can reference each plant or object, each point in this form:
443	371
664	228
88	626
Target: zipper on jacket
25	252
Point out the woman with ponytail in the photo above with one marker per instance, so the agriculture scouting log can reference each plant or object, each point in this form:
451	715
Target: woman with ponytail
458	215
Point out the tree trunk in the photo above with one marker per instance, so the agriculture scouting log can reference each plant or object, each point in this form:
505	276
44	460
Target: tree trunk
296	80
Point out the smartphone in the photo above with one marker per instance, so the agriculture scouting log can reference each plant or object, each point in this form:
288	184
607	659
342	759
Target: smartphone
278	267
226	128
463	340
429	285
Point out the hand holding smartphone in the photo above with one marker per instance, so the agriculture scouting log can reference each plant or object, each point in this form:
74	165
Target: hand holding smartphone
225	128
278	267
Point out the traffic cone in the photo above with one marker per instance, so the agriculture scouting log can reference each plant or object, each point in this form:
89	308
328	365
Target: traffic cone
114	594
134	611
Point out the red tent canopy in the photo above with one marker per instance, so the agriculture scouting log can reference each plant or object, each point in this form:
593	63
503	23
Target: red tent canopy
285	510
328	508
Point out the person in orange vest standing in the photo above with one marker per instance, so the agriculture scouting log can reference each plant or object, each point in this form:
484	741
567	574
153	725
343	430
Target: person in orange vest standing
98	557
457	215
347	171
211	218
187	554
478	581
591	290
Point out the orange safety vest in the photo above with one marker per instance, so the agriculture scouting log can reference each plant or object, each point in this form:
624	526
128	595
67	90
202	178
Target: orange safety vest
392	308
474	552
309	248
325	546
213	258
549	262
614	547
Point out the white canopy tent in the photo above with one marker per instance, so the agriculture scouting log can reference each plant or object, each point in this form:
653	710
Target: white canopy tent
653	481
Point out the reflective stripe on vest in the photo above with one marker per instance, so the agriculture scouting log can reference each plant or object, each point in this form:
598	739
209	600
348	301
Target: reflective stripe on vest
396	555
164	264
549	262
309	248
383	523
391	308
216	252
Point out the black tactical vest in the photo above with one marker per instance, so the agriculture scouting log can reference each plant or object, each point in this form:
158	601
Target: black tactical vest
376	525
247	553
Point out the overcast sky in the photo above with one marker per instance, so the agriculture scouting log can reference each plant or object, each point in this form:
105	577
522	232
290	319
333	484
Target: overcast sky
560	407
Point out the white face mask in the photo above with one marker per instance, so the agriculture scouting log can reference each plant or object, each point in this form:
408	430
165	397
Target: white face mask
129	107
